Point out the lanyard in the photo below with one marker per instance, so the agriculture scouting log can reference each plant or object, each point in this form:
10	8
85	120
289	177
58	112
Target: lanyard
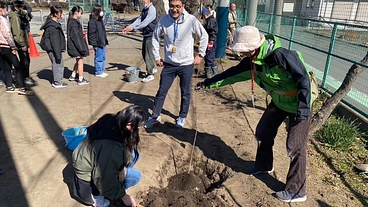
176	27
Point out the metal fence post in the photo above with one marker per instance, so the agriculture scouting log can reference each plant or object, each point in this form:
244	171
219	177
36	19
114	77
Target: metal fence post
270	24
292	33
41	16
329	56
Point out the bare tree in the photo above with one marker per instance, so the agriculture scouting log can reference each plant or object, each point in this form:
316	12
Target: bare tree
330	104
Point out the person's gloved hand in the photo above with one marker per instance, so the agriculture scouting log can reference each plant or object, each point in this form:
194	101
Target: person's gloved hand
198	86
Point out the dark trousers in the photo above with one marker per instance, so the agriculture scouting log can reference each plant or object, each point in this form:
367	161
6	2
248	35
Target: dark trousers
25	62
167	77
209	59
296	144
9	60
147	54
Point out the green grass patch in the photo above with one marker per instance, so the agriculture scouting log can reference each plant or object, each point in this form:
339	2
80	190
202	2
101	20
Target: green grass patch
339	133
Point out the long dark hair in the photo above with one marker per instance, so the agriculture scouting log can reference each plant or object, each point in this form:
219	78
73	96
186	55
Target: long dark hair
72	12
55	9
95	13
133	115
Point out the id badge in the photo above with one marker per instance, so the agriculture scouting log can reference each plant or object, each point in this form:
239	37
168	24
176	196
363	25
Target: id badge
173	48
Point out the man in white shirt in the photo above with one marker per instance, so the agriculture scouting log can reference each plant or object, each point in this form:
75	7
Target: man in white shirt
178	28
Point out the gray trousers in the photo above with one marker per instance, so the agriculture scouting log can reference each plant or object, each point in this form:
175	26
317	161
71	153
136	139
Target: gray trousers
147	54
57	68
296	144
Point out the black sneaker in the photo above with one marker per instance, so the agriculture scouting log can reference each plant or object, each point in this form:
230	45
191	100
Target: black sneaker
255	171
59	85
24	91
30	81
11	89
73	78
83	82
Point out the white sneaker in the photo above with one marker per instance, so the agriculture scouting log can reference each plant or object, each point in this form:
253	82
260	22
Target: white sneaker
148	79
154	70
100	201
103	75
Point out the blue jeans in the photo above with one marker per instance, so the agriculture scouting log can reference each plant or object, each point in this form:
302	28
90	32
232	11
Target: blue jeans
100	59
209	59
167	77
133	176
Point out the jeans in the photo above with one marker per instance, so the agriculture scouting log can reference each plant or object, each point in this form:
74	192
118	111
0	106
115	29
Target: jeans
296	144
57	68
133	176
9	60
147	54
25	62
99	60
209	59
167	77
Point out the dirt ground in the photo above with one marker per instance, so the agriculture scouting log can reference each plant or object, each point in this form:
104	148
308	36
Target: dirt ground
36	163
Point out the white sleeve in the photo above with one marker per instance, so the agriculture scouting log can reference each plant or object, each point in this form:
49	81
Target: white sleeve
156	41
202	34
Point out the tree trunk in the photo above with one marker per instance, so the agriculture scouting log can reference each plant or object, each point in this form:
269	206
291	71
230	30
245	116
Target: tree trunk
324	113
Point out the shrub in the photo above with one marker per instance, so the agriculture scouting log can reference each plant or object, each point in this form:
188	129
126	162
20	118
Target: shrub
339	133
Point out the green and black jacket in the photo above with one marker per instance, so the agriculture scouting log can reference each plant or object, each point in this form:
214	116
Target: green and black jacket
279	71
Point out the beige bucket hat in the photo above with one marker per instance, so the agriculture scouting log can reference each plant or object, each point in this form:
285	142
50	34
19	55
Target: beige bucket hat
247	38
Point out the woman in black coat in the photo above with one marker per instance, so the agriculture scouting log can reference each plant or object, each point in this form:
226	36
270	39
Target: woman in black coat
97	38
77	45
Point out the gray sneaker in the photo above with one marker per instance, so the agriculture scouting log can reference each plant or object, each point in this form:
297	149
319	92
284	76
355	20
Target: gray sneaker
59	85
290	197
83	82
2	83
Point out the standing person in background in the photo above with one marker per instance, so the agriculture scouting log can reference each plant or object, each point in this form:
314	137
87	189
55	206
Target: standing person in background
8	55
53	42
210	25
213	12
77	45
233	23
179	28
97	38
146	22
19	21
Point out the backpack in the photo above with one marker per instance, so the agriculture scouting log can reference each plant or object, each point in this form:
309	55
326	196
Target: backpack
313	86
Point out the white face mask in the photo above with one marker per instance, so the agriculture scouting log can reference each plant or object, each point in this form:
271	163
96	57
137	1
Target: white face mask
101	14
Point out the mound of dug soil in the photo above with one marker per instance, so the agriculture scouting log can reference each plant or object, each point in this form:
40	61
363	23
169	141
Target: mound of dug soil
190	189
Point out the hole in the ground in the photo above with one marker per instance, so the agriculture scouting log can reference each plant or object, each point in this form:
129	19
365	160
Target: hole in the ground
196	188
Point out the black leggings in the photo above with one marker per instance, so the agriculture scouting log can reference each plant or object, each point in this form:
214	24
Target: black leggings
9	60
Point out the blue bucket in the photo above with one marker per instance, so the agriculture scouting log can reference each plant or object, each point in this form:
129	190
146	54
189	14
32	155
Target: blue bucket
74	136
132	74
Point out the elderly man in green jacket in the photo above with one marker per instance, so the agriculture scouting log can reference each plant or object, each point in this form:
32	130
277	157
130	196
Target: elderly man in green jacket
283	74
